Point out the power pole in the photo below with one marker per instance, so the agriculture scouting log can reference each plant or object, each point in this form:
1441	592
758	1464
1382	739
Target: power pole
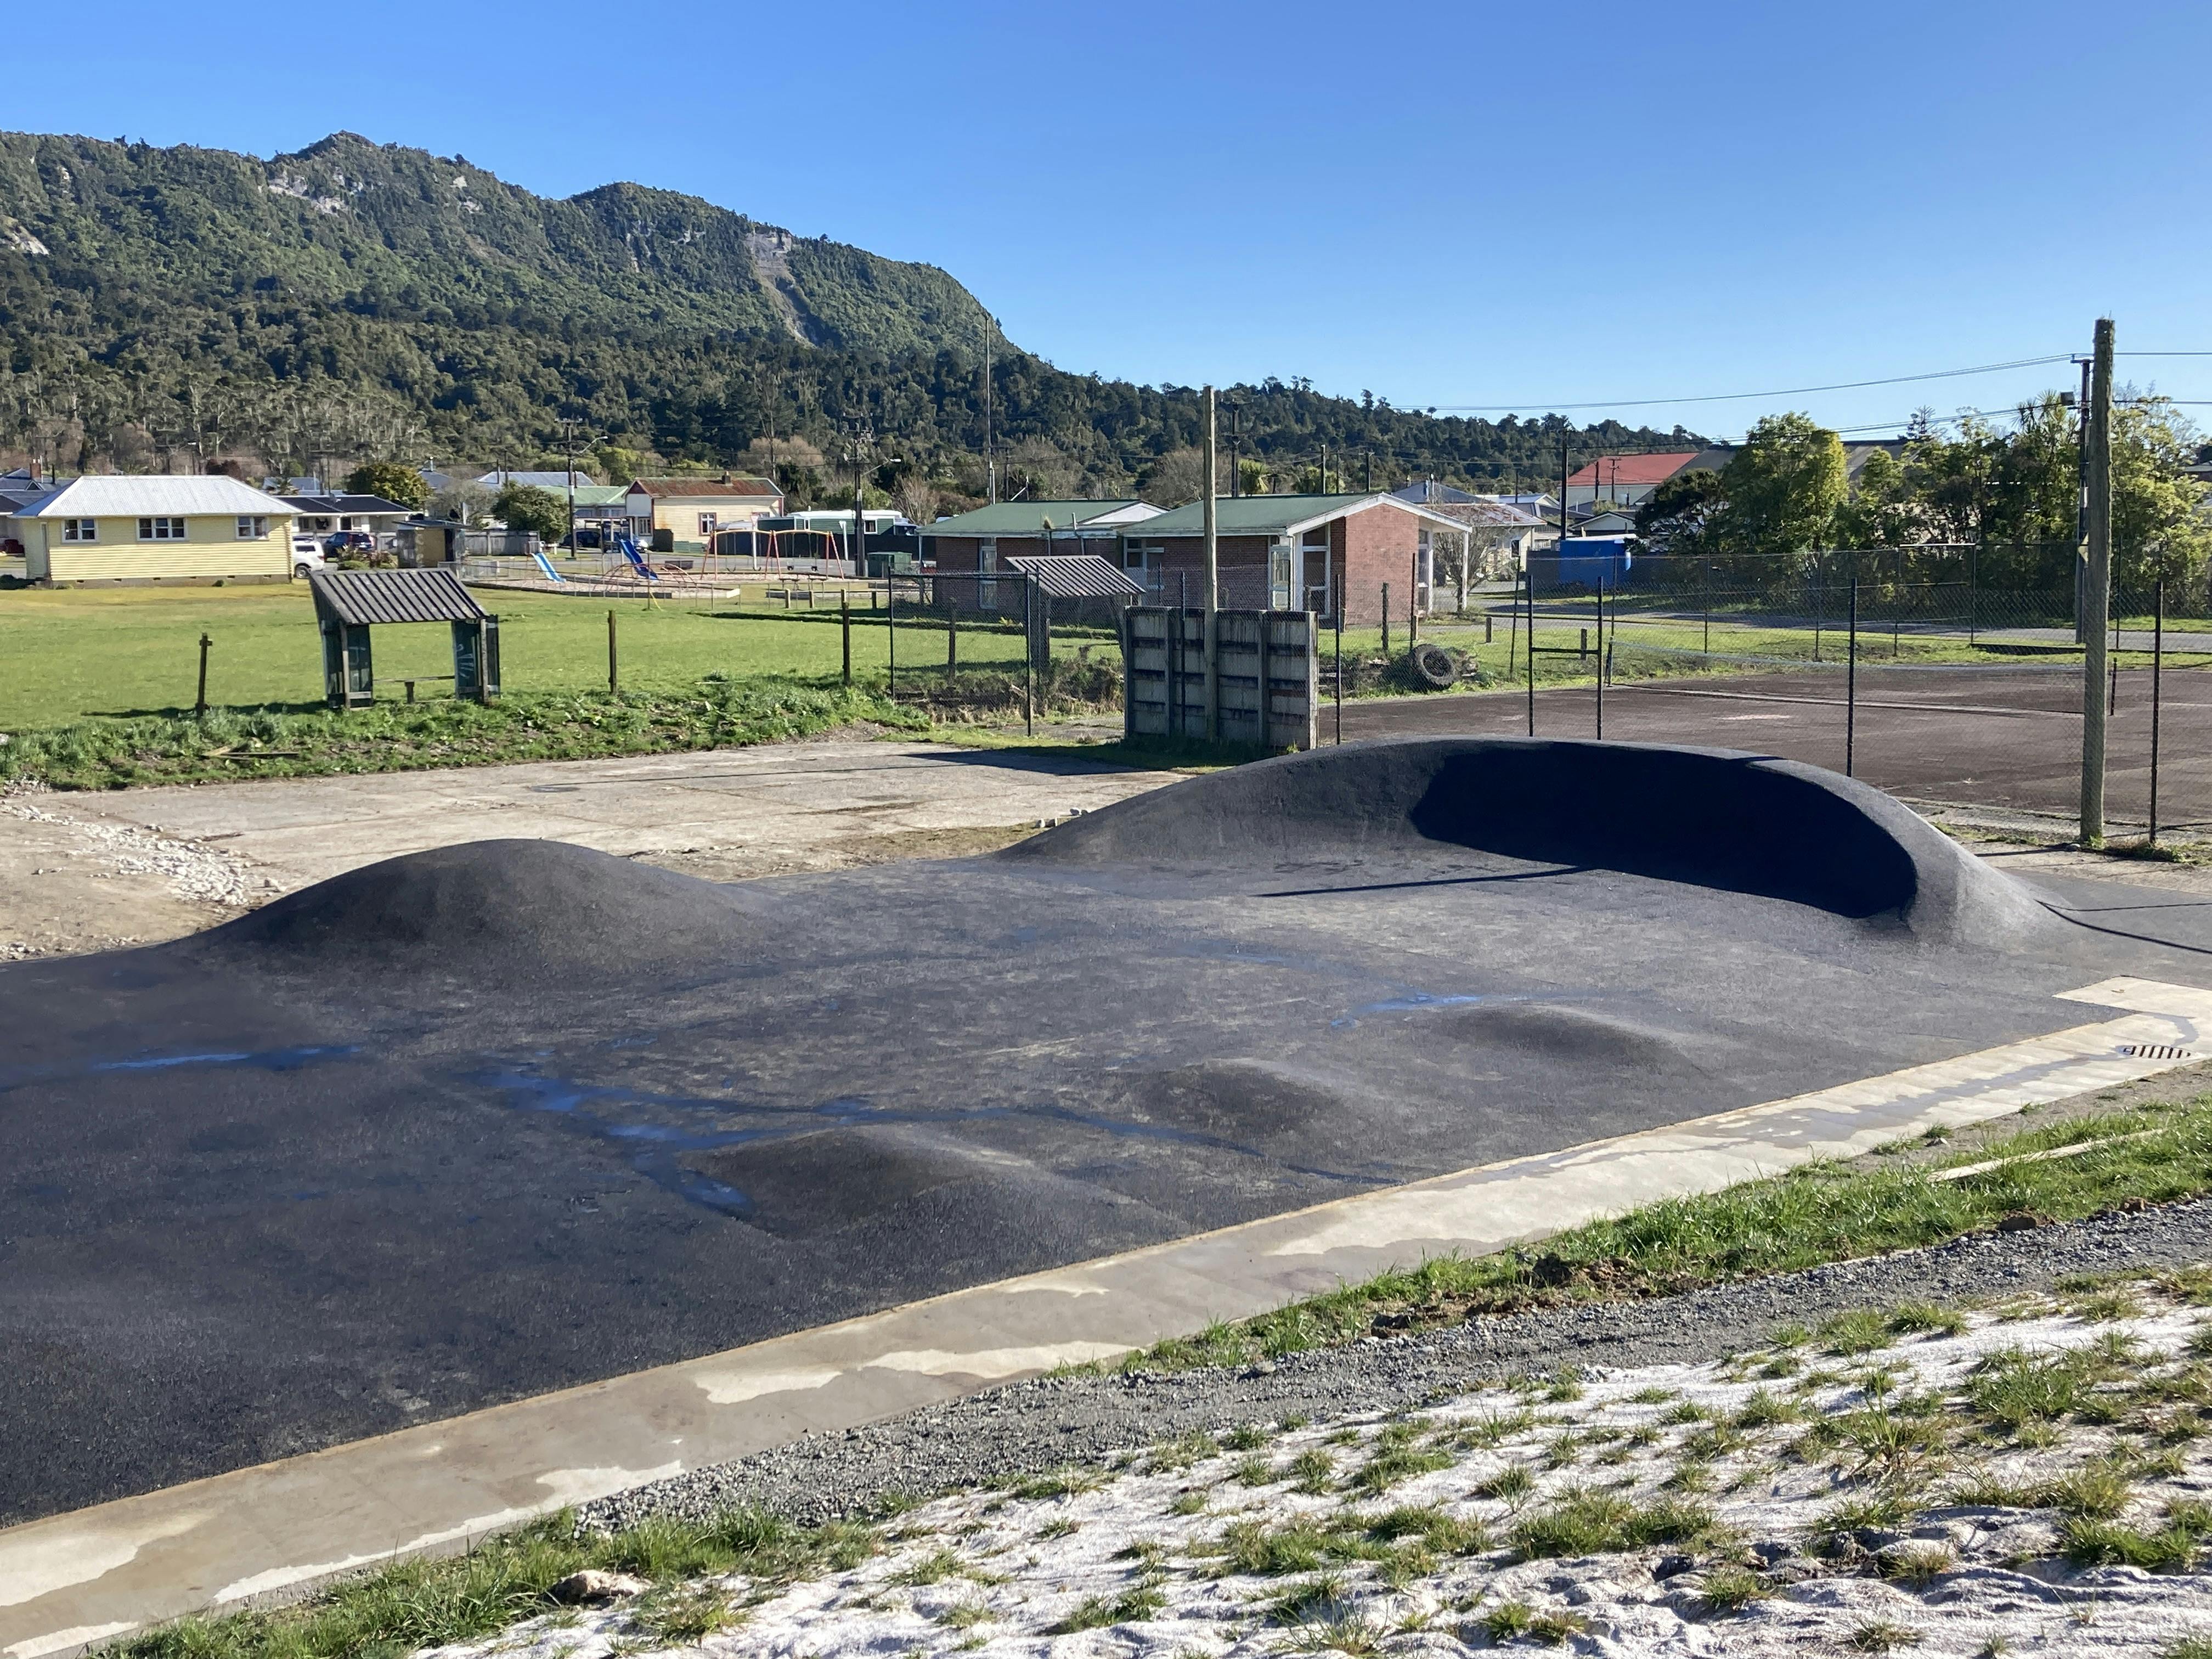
2097	595
1235	450
1213	588
990	456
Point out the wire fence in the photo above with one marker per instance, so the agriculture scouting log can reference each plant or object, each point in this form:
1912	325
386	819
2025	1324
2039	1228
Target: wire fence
1960	697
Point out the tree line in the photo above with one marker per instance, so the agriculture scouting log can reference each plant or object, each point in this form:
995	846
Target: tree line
1999	495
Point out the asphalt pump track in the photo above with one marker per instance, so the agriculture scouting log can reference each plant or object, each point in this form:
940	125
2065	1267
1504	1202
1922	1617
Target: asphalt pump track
475	1124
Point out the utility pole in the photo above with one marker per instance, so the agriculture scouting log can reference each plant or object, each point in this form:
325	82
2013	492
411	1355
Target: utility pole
1213	588
990	456
568	438
1235	450
2097	597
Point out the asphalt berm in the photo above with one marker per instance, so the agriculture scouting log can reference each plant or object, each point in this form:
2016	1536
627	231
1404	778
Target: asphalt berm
483	1122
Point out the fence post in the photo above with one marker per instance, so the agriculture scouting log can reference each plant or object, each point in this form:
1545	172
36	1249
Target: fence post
1708	646
1338	604
1386	619
951	639
199	705
1600	660
1973	589
1531	652
1029	656
845	631
611	677
891	628
1851	684
2157	664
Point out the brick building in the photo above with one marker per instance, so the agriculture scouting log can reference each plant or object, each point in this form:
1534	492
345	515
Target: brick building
978	541
1296	553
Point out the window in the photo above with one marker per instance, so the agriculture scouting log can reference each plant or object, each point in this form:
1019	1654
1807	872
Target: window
160	530
254	529
1142	560
80	529
987	559
707	522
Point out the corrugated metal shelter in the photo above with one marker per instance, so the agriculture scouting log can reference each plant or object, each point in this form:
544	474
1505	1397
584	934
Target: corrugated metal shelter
348	603
1075	576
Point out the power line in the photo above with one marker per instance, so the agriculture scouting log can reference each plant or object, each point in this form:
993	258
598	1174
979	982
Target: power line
1734	397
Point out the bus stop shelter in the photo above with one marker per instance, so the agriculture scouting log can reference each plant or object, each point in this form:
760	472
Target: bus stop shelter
348	603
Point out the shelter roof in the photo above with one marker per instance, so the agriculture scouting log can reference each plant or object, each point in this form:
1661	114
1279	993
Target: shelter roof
1076	576
359	597
119	495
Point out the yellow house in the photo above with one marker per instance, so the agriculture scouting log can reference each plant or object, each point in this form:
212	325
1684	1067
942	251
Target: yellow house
691	510
135	530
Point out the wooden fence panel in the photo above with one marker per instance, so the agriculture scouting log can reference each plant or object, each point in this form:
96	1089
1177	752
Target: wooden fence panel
1269	695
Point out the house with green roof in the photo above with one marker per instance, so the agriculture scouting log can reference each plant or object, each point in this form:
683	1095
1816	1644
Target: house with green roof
1314	553
979	541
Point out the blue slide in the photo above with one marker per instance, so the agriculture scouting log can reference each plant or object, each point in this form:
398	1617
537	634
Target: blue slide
546	565
637	559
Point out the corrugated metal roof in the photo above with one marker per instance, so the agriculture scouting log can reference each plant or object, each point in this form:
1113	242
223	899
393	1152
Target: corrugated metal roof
1026	518
703	489
1610	470
1274	515
354	504
123	497
358	597
1076	576
1477	512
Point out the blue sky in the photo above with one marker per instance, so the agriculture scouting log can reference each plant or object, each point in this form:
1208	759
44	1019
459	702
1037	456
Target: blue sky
1453	205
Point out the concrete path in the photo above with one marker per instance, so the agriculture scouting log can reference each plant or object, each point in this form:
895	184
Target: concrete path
140	866
78	1578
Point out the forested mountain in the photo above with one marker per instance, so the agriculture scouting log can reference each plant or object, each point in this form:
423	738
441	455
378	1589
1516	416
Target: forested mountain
357	300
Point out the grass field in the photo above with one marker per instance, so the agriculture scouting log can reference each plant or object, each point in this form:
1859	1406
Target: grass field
70	653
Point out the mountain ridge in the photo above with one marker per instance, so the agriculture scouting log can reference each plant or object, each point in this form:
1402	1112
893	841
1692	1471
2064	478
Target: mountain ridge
351	299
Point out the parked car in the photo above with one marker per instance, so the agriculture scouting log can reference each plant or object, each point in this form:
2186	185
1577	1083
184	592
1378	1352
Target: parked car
349	541
307	555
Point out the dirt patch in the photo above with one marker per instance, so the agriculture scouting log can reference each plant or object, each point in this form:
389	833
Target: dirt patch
745	864
72	886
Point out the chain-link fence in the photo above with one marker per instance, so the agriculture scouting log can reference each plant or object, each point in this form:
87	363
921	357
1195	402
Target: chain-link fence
995	643
1912	670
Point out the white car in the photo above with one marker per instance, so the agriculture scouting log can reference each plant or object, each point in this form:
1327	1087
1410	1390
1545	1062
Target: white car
307	555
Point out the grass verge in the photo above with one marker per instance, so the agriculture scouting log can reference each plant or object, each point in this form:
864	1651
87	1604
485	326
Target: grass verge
408	1604
227	744
1818	1213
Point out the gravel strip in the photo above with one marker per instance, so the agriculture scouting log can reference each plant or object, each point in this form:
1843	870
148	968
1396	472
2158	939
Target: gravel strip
1032	1427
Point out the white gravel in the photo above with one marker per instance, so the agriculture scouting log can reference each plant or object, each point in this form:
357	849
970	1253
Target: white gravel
192	870
1970	1557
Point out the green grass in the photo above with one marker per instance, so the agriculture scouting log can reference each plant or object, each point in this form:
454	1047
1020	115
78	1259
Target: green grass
398	738
425	1603
116	652
1815	1214
1603	1523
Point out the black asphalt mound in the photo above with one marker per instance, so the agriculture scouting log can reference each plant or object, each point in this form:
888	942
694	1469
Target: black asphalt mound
1709	818
504	909
504	1118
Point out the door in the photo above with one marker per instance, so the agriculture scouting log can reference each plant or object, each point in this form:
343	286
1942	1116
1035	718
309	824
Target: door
1316	568
1279	561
